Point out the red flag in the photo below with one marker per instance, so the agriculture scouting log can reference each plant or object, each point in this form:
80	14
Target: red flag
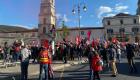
114	40
88	35
77	40
45	43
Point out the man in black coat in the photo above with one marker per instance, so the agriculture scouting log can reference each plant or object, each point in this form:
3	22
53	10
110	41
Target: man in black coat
130	57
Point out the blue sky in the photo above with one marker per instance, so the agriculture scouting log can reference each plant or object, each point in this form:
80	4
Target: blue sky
25	12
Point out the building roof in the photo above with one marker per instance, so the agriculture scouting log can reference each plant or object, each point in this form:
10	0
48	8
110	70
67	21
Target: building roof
8	28
82	28
17	29
122	14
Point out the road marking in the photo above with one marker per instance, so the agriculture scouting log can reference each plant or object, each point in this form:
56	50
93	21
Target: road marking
62	73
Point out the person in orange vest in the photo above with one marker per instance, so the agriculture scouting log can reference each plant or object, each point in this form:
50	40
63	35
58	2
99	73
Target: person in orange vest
44	62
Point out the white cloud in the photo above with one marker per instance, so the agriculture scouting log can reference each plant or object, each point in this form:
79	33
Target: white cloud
126	12
110	15
61	18
111	11
119	7
65	18
104	9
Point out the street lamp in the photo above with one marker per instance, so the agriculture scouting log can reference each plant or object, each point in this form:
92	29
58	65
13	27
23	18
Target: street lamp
78	8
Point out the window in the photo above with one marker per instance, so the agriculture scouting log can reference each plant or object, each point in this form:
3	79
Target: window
121	22
82	32
108	22
135	21
122	30
135	30
44	30
109	30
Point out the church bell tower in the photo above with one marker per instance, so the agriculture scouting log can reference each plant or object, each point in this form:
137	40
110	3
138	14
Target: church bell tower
46	19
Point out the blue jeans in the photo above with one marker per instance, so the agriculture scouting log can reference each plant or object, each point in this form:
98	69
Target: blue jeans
45	67
24	70
119	57
90	72
16	56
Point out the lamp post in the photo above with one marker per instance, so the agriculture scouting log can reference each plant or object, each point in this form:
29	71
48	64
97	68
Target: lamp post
78	8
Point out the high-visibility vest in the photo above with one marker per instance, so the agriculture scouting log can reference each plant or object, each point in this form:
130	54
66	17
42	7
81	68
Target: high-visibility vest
44	58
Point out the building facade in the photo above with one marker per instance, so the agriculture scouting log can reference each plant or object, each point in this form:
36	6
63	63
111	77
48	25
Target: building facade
124	27
28	36
95	33
32	36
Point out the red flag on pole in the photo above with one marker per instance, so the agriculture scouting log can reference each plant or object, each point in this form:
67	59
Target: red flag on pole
45	43
77	40
114	40
88	35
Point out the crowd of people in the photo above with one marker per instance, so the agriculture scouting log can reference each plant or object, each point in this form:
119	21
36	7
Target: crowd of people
105	56
24	53
101	55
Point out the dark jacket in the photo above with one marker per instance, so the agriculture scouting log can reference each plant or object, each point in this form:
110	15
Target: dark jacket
112	54
130	50
90	56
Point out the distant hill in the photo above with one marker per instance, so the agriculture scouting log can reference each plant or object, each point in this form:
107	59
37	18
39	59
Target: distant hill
9	28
